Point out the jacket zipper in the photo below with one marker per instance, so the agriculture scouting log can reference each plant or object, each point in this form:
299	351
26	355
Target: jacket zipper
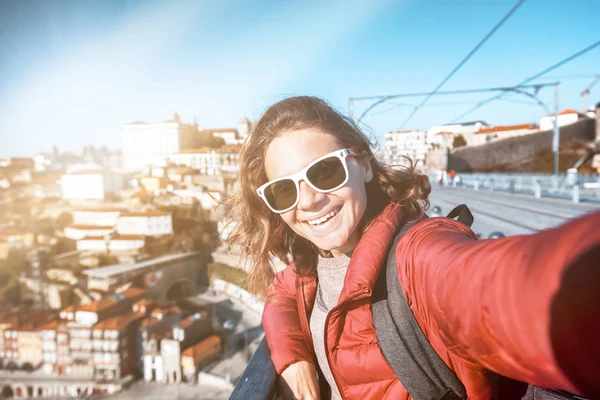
349	299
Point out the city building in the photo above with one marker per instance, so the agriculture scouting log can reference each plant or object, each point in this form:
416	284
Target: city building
492	133
163	348
229	135
109	277
96	216
195	357
205	160
565	117
14	238
114	346
76	232
150	144
113	244
48	333
147	223
89	184
209	161
463	128
109	306
244	127
410	143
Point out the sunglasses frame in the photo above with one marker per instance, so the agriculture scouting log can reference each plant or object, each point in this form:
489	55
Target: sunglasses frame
342	154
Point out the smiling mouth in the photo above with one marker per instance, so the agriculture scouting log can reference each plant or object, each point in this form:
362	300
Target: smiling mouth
324	218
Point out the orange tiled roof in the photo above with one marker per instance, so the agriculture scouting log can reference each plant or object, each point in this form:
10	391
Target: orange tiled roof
568	111
89	227
201	347
186	323
100	209
445	133
507	128
110	301
119	322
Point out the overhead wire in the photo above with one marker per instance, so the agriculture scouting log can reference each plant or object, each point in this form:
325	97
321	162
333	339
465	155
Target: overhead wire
531	78
464	60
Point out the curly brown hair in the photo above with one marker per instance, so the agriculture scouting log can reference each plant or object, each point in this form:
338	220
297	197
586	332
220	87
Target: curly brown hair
263	234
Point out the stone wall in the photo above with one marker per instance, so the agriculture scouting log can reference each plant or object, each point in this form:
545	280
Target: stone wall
516	149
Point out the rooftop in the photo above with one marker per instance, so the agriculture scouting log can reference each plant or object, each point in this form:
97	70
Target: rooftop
82	227
153	213
115	237
189	321
119	322
100	209
507	128
117	269
110	301
201	347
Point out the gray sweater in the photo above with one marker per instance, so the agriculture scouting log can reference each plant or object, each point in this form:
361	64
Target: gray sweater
331	273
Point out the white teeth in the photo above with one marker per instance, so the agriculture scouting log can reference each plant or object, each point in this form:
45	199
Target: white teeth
324	217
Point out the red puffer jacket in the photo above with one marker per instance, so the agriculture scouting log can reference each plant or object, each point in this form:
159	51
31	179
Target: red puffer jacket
526	307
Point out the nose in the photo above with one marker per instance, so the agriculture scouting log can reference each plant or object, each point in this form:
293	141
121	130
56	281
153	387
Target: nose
308	196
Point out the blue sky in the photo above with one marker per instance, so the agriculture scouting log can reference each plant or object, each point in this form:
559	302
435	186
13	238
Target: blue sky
71	72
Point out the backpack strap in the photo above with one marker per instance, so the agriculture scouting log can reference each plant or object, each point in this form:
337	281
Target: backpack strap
416	364
463	213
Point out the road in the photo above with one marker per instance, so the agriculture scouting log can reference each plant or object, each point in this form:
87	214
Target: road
511	214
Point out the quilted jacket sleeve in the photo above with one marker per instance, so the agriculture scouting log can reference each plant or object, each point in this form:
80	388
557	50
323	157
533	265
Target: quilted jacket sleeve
527	307
282	323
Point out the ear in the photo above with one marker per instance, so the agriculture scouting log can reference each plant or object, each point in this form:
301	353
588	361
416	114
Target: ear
366	163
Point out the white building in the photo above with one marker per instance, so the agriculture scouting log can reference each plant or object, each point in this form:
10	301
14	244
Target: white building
210	161
96	216
565	117
116	244
171	355
208	199
411	143
449	131
147	223
243	129
490	134
77	232
205	160
42	162
149	144
89	184
229	135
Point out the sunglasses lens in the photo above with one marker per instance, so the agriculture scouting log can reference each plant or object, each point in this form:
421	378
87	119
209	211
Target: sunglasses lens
281	194
327	174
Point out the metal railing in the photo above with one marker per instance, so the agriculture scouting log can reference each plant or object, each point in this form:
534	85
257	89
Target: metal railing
570	186
259	380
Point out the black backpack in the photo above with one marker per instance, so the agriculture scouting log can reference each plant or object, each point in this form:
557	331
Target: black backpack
416	364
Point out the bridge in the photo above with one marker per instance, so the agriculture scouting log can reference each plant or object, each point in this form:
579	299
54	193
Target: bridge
494	211
167	277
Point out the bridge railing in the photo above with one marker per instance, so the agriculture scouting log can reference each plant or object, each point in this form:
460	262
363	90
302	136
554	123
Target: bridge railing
569	186
259	380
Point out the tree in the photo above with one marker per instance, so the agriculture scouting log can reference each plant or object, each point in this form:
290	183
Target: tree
459	141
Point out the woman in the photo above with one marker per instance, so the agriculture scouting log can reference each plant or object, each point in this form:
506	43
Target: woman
313	195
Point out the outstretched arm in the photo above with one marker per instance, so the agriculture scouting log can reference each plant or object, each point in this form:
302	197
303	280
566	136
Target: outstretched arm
527	307
289	351
282	323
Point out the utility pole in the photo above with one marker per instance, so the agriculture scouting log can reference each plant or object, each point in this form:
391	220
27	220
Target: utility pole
556	135
586	92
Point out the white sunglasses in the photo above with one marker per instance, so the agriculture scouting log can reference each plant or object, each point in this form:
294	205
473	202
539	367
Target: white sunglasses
325	174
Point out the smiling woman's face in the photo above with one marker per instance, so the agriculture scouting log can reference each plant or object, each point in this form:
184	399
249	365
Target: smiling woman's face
289	153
